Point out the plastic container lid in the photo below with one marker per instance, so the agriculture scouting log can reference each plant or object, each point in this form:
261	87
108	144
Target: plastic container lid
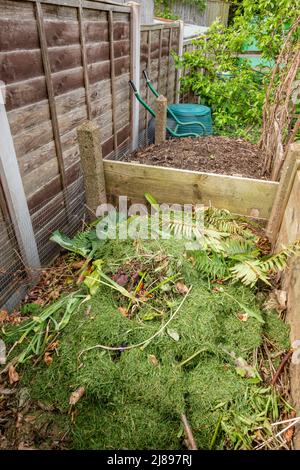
189	109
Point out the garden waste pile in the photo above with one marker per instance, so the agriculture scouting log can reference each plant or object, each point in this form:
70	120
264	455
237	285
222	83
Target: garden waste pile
152	331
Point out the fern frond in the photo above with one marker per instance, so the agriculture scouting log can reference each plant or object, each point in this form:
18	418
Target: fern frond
213	266
249	272
240	246
224	221
180	227
279	261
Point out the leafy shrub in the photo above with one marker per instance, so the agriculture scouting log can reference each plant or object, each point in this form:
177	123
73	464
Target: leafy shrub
224	82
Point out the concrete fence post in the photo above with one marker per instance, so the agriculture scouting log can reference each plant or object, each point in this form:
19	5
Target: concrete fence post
11	180
161	119
135	70
180	53
89	139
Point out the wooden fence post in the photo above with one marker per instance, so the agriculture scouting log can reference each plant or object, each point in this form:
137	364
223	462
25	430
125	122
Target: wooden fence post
161	119
89	140
289	171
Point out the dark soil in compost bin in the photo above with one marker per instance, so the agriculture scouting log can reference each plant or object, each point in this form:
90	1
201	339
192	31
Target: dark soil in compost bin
215	154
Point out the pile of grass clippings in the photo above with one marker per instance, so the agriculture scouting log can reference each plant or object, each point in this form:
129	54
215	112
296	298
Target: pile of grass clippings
201	365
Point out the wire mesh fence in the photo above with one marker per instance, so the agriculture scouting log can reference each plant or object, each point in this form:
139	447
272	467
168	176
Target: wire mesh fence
66	212
13	271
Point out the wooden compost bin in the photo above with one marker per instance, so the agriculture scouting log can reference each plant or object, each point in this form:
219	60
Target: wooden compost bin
249	197
275	204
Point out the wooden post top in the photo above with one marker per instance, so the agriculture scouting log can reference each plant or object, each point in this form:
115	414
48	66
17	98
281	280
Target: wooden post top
162	99
161	119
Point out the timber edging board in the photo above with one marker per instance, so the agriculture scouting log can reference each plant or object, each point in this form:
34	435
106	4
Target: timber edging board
244	196
290	232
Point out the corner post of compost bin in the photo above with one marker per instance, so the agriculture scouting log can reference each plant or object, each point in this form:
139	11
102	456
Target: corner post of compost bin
161	104
180	53
89	139
289	170
15	196
135	70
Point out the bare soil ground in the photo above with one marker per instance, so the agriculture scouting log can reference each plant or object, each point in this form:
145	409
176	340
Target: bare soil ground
214	154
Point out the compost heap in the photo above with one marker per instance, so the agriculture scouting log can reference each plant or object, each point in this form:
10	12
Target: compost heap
165	339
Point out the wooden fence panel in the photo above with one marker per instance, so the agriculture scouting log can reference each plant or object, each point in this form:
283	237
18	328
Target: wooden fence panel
157	44
191	13
64	62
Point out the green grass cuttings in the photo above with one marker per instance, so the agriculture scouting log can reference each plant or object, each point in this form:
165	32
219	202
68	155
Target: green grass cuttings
134	398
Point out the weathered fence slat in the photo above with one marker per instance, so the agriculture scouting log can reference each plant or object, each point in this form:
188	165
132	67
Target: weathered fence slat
169	61
84	62
113	77
159	58
50	90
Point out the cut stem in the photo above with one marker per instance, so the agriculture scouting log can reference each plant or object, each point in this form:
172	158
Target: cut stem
183	363
188	433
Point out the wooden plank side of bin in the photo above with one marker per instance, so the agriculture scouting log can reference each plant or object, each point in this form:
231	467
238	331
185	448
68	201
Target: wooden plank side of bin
249	197
289	232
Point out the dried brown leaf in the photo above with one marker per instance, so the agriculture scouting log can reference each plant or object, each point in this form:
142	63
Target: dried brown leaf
123	311
4	316
53	346
24	446
78	264
277	301
181	288
281	297
289	434
54	294
121	279
13	375
243	316
75	396
153	360
48	359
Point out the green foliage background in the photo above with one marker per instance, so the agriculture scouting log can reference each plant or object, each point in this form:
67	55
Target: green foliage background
237	97
163	8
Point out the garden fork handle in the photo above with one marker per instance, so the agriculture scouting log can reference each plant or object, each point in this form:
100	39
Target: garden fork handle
131	83
145	73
